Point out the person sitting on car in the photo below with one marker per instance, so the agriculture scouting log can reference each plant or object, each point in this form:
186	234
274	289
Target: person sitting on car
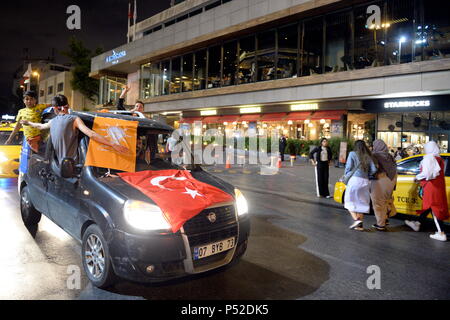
138	107
64	130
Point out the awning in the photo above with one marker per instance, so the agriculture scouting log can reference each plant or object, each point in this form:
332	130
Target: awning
250	117
328	115
273	117
231	118
214	119
297	116
190	120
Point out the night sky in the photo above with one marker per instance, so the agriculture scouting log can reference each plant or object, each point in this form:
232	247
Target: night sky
41	25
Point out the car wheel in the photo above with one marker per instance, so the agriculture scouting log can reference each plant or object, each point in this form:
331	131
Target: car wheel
96	258
30	216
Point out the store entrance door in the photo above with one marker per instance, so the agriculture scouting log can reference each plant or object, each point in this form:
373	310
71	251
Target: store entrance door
442	139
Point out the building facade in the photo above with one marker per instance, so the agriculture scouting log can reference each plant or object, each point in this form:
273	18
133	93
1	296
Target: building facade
308	69
59	83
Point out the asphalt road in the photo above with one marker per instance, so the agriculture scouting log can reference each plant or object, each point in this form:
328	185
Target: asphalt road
300	248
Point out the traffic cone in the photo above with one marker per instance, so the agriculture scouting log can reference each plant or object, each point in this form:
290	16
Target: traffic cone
227	164
279	165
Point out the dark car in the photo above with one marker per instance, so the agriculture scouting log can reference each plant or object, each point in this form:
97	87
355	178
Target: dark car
90	203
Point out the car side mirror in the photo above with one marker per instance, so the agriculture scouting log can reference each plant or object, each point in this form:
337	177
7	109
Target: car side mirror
68	168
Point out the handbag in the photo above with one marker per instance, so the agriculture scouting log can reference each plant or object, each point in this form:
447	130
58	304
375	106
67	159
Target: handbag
346	178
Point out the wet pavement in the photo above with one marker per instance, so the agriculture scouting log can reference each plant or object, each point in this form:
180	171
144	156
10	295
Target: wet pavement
300	248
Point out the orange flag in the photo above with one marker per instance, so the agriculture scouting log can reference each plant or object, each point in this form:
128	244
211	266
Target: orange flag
119	131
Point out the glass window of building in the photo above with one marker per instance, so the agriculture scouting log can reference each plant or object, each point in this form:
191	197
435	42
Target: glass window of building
434	33
400	39
339	46
389	129
60	87
287	51
247	60
229	63
200	70
150	80
175	83
266	55
110	90
214	66
50	90
187	77
416	121
369	36
311	51
165	71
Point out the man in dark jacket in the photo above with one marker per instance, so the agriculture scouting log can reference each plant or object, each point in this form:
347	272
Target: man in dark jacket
282	146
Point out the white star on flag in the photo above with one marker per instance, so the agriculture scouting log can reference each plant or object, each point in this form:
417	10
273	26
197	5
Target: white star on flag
192	193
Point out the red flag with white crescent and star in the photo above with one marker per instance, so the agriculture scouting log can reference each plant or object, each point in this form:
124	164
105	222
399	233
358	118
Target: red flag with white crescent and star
177	193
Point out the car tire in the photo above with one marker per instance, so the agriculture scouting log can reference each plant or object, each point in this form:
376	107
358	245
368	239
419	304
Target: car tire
96	258
30	216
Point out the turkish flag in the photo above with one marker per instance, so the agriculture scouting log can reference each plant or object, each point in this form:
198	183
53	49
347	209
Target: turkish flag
177	193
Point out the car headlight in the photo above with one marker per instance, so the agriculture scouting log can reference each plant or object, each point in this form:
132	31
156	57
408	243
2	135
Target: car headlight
3	158
145	216
241	203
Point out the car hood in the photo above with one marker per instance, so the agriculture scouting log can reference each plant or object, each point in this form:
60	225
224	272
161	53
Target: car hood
129	192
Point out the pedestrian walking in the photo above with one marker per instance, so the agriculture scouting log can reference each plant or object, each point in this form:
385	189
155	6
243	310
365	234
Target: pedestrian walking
357	194
320	158
282	146
432	188
382	188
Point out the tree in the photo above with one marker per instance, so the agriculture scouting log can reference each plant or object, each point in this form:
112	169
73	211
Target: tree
80	58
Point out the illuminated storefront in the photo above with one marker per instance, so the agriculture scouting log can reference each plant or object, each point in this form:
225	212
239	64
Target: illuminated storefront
411	122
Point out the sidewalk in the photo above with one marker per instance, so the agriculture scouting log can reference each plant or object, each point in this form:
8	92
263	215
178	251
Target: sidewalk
295	183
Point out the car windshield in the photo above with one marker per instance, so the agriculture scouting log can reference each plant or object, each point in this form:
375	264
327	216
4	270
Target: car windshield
150	154
17	141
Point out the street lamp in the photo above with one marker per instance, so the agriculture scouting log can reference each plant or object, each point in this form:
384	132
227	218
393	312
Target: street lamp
400	41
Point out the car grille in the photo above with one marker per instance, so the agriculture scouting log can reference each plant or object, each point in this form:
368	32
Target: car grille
200	223
213	236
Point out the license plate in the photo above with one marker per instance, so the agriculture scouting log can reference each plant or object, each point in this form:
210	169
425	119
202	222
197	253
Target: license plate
213	248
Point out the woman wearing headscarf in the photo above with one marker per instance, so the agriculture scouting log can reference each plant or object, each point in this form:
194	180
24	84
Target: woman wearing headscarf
434	199
357	194
382	188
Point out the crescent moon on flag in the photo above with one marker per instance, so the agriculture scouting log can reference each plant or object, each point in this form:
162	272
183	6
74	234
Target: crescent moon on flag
156	181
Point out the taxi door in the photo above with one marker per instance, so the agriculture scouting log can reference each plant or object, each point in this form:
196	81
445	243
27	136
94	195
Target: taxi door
406	197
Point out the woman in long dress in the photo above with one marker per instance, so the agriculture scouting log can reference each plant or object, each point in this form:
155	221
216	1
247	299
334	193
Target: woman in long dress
357	194
320	158
432	180
382	188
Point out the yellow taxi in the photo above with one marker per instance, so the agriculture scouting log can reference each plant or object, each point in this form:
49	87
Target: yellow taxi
406	197
9	154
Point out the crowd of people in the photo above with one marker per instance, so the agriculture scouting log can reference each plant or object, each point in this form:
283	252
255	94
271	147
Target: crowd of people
371	178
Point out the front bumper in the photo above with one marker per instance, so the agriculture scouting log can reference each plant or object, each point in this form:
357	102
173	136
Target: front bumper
171	254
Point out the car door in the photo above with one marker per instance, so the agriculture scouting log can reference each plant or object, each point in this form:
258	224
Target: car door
37	182
406	197
63	199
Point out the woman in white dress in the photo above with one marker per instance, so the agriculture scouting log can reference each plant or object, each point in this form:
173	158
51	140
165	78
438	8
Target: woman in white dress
357	194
